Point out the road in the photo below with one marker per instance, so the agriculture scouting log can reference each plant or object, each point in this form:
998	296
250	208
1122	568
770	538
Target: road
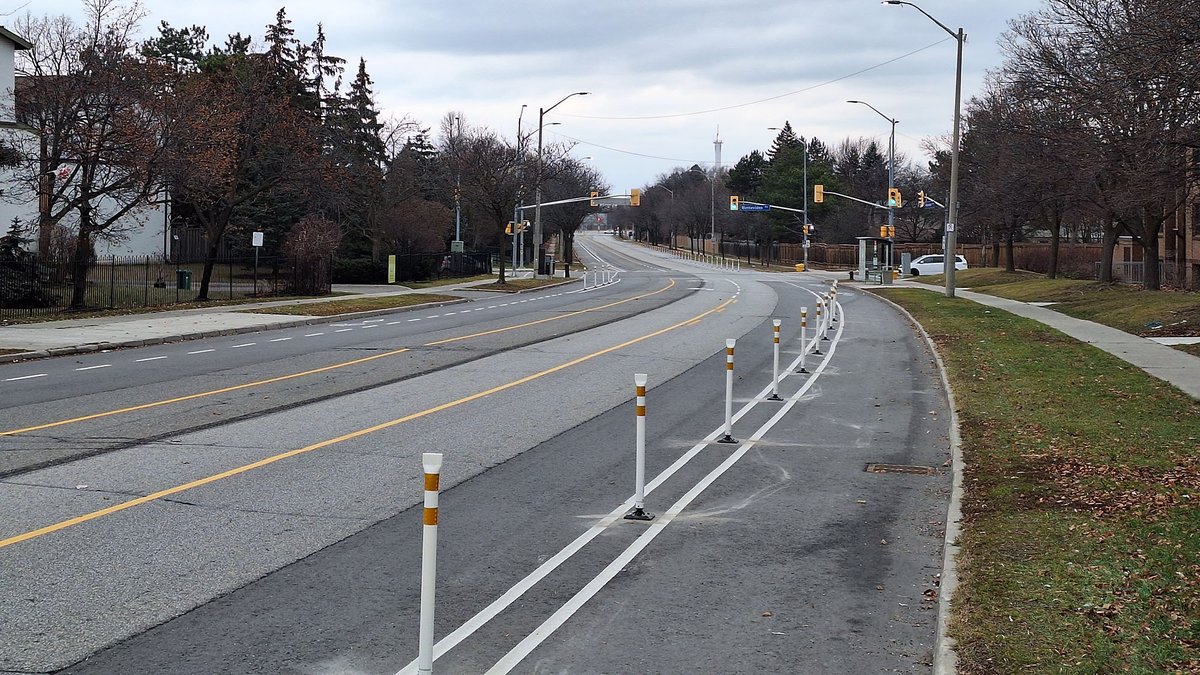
255	508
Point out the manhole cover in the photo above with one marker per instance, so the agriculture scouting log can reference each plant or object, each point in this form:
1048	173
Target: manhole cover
901	468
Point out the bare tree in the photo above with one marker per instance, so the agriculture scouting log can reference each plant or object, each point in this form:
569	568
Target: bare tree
96	108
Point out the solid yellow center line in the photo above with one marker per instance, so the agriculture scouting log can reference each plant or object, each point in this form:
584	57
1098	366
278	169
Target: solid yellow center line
115	508
306	373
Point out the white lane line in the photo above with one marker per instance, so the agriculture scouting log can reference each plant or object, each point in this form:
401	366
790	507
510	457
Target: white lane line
371	326
433	317
313	334
556	620
373	320
450	313
149	358
546	568
25	377
392	323
491	307
244	344
201	351
106	365
412	320
279	339
343	330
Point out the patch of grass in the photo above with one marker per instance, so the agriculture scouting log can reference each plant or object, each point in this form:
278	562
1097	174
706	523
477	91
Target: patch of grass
1127	308
448	281
514	285
65	315
352	305
1194	350
1081	533
11	351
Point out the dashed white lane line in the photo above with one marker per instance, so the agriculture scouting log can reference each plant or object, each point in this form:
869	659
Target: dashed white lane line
25	377
149	358
450	313
371	326
313	334
343	330
433	317
244	344
201	351
372	320
280	339
412	320
393	323
105	365
492	307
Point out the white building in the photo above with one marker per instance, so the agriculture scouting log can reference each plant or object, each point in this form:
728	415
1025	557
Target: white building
142	232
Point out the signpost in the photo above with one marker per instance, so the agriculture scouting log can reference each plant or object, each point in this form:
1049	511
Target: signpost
256	240
755	207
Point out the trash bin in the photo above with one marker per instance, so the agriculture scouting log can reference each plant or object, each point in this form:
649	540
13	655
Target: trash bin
885	277
799	267
183	280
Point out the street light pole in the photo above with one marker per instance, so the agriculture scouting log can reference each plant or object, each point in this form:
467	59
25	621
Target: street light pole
712	206
952	206
457	181
520	179
891	169
537	209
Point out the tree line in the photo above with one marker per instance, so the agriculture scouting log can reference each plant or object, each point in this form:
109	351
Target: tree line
1088	131
274	135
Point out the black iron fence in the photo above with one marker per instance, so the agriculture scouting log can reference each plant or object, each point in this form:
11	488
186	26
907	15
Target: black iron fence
30	286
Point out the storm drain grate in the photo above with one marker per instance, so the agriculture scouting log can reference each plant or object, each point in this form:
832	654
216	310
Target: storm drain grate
901	468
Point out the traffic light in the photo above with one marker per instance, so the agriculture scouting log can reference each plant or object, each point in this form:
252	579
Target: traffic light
594	202
807	230
818	193
921	199
635	197
894	200
883	231
733	203
891	230
508	228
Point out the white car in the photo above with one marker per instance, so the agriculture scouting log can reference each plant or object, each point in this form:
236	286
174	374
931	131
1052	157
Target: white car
934	263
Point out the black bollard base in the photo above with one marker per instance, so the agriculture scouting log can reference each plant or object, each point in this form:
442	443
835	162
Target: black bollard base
639	513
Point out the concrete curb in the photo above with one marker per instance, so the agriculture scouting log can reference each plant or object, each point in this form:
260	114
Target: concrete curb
945	659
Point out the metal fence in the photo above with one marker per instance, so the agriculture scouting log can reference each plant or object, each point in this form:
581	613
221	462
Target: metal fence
30	286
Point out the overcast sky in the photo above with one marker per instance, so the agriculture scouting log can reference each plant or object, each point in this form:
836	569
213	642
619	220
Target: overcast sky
664	75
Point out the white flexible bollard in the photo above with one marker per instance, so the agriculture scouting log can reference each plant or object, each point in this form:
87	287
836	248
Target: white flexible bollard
432	462
820	320
828	316
728	438
775	323
639	511
803	338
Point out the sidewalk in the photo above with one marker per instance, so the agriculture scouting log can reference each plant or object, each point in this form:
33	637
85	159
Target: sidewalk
73	336
1177	368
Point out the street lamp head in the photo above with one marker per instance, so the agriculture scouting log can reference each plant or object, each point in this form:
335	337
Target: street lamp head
582	93
853	101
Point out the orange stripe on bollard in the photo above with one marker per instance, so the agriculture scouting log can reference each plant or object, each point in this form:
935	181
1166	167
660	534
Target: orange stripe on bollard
432	480
431	516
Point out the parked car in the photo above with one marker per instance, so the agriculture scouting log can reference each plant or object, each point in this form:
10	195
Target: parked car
934	263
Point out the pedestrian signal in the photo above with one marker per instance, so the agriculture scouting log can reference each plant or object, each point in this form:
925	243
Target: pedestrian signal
818	193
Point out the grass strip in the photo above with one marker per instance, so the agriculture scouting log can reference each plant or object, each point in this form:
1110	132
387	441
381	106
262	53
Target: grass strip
352	305
515	285
1081	533
448	281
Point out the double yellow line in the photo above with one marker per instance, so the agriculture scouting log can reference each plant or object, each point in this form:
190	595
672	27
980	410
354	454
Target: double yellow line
116	508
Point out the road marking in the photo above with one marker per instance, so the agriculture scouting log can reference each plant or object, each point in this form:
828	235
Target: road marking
371	326
116	508
283	378
201	351
152	358
279	339
372	320
25	377
511	595
106	365
393	323
343	330
559	617
313	334
203	394
244	344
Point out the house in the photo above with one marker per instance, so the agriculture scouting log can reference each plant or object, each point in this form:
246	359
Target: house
143	232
